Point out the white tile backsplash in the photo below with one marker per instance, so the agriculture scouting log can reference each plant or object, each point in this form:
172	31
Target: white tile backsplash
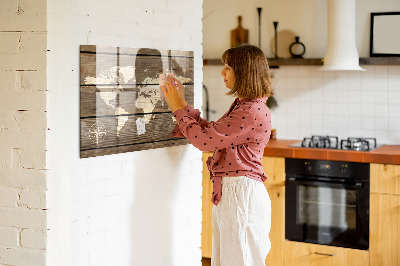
343	103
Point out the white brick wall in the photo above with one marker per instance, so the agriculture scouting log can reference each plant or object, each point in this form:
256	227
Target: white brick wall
22	132
138	208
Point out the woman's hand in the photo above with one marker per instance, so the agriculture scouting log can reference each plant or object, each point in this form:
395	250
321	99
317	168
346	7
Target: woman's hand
181	91
173	95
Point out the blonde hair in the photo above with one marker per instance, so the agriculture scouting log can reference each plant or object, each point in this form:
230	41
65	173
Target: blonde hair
250	66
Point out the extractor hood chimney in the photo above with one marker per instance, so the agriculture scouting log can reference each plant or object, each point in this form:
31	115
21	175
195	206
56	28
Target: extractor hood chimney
341	51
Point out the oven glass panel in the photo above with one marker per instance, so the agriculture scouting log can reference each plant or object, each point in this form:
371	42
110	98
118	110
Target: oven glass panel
326	207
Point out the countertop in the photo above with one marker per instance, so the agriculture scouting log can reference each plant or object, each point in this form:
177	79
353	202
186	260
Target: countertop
388	154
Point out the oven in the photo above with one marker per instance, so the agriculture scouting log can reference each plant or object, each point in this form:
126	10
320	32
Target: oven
327	202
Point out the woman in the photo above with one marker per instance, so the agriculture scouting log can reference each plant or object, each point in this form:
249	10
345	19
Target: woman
242	211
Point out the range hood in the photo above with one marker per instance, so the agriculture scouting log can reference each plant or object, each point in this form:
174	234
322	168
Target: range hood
341	51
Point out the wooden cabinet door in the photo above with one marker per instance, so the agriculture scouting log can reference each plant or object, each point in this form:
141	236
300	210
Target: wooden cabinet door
274	168
385	178
304	254
277	233
384	237
206	225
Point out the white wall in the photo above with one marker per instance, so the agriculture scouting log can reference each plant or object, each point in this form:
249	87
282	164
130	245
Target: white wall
138	208
311	102
23	133
306	19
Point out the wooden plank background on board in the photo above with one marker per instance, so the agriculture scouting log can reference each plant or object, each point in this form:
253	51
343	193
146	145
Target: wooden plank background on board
120	105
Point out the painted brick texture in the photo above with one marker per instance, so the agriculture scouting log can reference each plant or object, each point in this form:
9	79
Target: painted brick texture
138	208
23	126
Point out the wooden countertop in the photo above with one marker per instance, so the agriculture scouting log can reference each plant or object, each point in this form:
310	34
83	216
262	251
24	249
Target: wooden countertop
389	154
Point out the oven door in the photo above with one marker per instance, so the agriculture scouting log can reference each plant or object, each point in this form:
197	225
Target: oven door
327	213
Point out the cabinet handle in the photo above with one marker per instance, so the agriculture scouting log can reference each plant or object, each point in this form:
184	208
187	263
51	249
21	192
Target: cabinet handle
324	254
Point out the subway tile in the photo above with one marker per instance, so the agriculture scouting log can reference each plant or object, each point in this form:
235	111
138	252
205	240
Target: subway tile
394	71
292	82
381	97
367	82
317	120
381	123
354	84
329	122
394	137
316	72
317	107
342	80
355	122
367	110
394	83
380	71
342	121
382	136
355	132
394	110
329	94
317	131
381	84
367	122
304	72
303	82
328	74
382	110
342	133
342	109
316	82
291	71
394	123
355	109
355	96
394	97
367	96
367	133
342	96
329	109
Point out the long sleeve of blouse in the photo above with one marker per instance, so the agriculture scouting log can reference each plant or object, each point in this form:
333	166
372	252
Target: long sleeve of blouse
230	131
193	113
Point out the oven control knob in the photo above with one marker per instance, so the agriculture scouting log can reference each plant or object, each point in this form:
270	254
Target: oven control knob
308	166
343	168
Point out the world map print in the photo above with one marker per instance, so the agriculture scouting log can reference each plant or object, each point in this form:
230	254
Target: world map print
121	108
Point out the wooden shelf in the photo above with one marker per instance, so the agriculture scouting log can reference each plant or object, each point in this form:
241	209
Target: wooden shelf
380	61
273	63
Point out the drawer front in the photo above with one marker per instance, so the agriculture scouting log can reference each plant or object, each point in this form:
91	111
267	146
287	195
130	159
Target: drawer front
297	253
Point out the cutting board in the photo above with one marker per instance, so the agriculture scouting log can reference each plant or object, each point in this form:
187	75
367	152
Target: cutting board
239	35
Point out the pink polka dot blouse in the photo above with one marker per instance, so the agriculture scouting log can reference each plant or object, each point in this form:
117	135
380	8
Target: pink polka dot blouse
238	139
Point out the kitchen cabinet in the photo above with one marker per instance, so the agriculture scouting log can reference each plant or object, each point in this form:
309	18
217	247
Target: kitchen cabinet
385	215
274	168
305	254
206	225
385	178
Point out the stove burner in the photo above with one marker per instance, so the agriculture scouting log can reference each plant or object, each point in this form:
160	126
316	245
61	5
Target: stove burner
328	142
332	142
358	144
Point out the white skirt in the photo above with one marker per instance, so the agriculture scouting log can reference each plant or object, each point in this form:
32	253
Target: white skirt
241	223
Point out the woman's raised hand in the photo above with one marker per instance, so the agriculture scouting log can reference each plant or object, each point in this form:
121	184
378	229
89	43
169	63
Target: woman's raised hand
174	93
181	91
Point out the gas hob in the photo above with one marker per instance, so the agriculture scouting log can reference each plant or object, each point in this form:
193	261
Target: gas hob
332	142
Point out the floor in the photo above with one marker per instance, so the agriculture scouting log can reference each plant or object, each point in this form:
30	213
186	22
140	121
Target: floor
206	261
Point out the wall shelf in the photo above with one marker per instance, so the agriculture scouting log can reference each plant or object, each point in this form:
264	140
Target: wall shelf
380	61
274	63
